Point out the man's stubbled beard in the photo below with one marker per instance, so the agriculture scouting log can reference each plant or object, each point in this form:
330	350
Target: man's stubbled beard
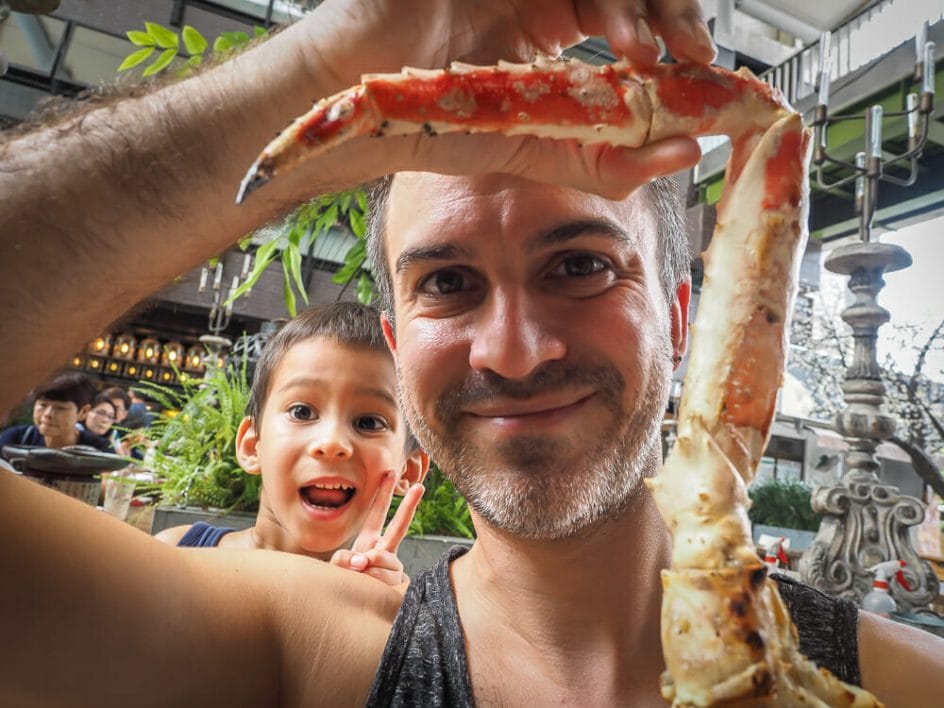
534	496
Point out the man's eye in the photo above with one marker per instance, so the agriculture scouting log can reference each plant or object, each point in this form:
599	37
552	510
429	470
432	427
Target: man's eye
371	423
580	265
300	411
445	282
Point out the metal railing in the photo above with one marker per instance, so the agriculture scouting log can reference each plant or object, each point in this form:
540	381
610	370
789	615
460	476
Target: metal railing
868	36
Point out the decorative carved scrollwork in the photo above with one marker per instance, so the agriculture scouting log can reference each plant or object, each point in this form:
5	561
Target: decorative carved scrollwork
866	522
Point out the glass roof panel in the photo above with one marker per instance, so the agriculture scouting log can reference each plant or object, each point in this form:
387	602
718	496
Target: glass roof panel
93	57
31	41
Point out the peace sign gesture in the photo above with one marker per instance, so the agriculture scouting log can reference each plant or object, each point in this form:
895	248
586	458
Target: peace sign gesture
374	551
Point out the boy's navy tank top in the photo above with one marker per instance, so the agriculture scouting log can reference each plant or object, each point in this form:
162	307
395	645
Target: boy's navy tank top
202	534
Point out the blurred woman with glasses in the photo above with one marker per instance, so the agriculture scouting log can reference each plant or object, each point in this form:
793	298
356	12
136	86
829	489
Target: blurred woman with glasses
100	417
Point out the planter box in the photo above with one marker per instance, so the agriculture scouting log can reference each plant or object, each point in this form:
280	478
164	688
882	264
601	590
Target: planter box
167	516
416	552
799	540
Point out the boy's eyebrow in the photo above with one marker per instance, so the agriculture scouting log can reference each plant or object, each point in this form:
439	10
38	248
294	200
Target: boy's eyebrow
556	235
305	380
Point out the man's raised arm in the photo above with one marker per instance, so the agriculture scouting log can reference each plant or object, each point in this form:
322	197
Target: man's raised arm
140	190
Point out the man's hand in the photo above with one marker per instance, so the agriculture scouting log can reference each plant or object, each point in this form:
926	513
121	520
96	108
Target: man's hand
386	35
374	552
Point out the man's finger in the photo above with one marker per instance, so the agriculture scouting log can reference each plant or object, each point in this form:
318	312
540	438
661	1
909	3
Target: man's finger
400	523
376	515
626	25
681	24
611	172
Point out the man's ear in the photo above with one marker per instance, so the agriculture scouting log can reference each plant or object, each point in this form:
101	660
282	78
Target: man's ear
388	334
83	411
414	472
679	316
247	442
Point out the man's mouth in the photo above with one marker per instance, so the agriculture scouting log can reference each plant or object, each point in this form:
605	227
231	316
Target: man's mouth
327	496
524	409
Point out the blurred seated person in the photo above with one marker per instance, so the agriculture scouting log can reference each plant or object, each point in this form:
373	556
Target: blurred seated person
121	400
122	437
58	405
100	417
138	414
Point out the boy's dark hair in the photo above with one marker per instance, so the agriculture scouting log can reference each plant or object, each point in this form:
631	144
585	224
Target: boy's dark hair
71	386
119	393
347	323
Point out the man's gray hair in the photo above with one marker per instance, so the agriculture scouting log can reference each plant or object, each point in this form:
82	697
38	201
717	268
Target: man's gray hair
663	195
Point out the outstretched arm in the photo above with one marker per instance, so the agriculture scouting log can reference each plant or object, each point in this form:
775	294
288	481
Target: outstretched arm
138	191
95	612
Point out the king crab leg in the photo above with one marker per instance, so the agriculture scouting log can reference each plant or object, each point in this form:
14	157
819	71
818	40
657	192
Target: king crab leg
726	634
617	104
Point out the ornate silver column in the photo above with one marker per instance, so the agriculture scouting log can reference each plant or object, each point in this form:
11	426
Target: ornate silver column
866	521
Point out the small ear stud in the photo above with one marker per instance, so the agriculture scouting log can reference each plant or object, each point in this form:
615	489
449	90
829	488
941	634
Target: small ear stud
677	358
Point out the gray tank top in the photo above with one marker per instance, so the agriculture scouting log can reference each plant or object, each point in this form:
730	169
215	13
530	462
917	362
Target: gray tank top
424	661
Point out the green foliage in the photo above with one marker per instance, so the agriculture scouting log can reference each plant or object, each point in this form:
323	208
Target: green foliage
442	512
194	453
784	504
297	237
195	46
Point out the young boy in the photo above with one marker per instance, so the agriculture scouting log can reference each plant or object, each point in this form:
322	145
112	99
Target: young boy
324	430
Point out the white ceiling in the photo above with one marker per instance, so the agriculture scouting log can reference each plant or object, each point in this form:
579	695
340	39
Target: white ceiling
821	14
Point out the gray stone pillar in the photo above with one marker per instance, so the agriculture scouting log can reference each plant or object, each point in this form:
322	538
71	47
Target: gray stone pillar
866	522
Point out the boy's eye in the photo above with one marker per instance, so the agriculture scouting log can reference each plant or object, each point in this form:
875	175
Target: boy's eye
371	423
300	411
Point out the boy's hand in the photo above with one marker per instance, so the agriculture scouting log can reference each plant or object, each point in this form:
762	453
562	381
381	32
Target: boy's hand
374	552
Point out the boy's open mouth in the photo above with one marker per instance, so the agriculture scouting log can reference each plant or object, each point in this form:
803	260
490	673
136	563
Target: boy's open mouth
328	496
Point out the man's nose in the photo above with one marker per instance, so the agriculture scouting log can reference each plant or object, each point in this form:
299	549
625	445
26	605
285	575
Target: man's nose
331	440
513	338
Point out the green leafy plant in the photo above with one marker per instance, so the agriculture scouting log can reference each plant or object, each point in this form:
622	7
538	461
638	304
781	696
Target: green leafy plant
784	504
443	511
193	442
297	237
166	43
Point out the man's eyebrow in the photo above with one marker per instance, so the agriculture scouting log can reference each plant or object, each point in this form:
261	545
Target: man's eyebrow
434	252
584	227
558	234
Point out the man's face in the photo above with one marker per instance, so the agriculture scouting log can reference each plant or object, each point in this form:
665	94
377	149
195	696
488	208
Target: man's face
533	343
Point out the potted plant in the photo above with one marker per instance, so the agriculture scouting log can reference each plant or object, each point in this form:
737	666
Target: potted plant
783	509
191	450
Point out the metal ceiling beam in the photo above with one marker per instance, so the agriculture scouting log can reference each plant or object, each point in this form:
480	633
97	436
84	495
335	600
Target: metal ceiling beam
779	19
